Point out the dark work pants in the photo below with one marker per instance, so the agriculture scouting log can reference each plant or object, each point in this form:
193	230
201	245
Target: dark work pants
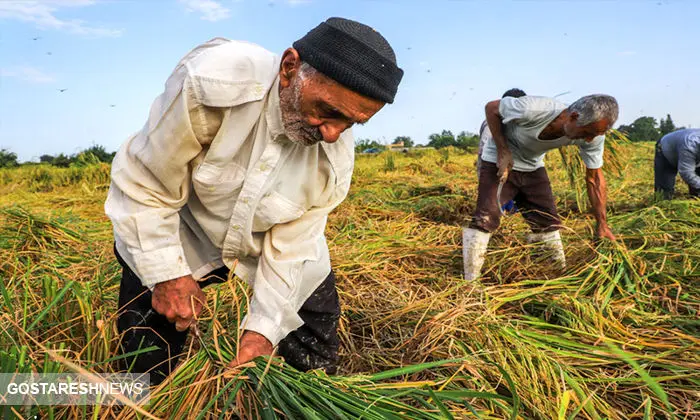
532	192
665	175
314	345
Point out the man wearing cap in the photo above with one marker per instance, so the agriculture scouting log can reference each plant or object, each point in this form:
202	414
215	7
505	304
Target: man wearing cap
241	160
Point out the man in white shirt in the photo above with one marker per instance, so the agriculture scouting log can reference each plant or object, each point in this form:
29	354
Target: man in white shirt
523	130
240	162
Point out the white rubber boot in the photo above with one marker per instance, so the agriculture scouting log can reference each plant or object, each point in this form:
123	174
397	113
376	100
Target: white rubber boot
474	245
551	246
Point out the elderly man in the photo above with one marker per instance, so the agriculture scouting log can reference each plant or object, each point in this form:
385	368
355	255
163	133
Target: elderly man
241	160
523	130
677	153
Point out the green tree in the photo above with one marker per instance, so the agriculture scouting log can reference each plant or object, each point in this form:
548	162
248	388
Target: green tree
407	141
666	125
7	159
62	161
467	140
46	159
642	129
100	153
444	139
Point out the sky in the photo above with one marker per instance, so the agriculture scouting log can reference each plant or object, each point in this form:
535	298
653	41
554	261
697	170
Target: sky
75	73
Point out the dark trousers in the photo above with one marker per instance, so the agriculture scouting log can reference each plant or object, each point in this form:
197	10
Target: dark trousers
314	345
665	175
531	190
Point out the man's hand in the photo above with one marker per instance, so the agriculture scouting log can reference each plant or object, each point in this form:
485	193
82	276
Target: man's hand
180	300
603	231
251	346
505	163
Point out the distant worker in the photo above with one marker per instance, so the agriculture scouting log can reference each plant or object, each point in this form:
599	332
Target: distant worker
677	152
485	136
513	164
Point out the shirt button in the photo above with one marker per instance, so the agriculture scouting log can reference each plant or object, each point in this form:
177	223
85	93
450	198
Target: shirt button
245	200
263	167
236	227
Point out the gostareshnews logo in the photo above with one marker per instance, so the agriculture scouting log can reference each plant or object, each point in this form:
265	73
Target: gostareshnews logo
74	389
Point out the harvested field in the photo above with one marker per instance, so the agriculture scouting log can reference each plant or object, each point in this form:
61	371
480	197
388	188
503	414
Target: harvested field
616	336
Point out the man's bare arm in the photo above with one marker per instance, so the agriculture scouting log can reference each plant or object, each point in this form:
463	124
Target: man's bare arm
597	194
495	123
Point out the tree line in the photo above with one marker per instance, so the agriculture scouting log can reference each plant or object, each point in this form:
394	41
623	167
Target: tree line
642	129
464	140
648	129
94	154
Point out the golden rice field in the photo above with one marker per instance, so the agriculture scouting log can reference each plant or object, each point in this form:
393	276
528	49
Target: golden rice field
616	336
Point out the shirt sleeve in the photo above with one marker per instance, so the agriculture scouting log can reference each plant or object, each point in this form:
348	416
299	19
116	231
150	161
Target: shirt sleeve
293	263
688	161
513	109
484	137
150	182
592	153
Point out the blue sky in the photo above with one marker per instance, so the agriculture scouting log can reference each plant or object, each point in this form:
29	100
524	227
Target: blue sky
113	57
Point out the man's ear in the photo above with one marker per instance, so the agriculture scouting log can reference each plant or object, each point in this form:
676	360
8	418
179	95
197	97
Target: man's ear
289	66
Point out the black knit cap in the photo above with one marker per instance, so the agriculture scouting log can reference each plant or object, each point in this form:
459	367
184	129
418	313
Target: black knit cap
354	55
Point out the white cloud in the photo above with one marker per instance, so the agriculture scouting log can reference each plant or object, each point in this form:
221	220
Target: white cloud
28	74
627	53
209	9
42	14
291	3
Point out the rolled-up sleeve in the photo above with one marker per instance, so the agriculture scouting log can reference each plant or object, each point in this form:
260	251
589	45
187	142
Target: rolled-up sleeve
293	263
688	154
513	109
150	183
592	153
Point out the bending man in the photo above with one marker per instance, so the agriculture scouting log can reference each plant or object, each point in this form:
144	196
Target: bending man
241	160
523	130
677	152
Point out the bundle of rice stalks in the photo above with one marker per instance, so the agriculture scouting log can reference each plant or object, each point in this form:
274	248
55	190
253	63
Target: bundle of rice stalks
576	169
269	389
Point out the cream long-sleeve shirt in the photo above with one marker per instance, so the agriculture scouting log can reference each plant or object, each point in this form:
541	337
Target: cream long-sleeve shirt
212	180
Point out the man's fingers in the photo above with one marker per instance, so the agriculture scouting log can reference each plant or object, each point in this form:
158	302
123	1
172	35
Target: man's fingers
183	324
170	315
503	176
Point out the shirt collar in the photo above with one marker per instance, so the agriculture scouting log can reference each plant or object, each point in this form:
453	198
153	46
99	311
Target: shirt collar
273	114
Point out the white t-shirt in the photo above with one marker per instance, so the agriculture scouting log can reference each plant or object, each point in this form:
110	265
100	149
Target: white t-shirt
524	120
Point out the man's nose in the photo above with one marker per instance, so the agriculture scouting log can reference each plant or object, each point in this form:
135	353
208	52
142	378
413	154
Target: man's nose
331	132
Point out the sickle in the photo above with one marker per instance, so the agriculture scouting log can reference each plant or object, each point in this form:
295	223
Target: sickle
498	197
